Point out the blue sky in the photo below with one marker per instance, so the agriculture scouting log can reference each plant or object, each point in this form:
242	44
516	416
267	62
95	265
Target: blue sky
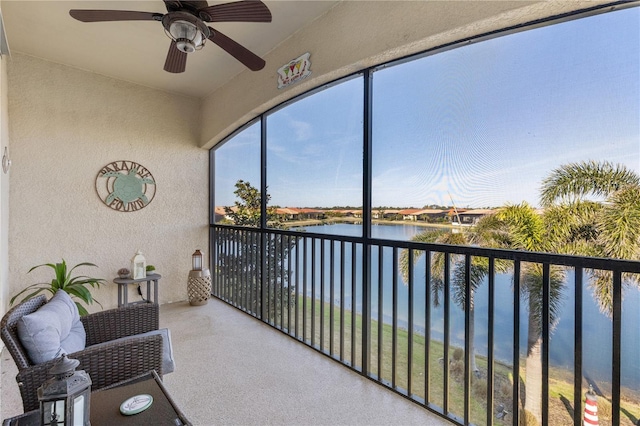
482	124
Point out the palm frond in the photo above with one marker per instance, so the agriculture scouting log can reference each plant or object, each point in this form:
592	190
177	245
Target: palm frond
525	225
574	181
478	271
619	224
427	236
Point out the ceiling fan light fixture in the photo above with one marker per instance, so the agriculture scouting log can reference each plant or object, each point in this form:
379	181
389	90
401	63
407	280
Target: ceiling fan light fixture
186	30
187	36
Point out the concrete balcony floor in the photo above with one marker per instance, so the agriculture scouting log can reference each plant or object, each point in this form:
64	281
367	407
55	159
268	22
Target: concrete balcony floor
232	369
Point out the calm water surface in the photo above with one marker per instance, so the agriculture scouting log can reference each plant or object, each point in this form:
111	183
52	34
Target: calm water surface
596	329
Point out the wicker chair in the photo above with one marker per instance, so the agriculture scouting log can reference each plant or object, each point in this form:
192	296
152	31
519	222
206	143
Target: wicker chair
106	363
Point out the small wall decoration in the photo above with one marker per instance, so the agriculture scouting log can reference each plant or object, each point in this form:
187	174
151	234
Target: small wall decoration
294	71
125	186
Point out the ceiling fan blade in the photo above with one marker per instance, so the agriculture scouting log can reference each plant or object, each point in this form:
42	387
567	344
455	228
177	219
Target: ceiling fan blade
240	11
176	60
241	53
112	15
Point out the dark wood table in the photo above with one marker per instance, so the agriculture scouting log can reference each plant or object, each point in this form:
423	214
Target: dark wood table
105	406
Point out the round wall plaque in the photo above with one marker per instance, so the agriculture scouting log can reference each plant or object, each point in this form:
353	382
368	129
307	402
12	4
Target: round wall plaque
125	186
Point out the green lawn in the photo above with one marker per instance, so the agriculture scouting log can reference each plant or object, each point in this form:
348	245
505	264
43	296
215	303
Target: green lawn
561	387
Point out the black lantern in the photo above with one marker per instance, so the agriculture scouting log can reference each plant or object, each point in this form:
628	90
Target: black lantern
65	397
196	260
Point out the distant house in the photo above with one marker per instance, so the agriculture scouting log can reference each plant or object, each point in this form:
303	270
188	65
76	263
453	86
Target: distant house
430	215
311	214
425	215
287	213
471	217
409	214
219	214
385	214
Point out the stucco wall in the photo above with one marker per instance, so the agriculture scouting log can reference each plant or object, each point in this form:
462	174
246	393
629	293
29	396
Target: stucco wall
65	125
358	34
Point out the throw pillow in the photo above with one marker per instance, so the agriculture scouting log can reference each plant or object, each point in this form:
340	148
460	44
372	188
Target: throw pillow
52	330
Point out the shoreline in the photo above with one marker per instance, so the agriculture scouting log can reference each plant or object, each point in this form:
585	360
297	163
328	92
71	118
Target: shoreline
356	220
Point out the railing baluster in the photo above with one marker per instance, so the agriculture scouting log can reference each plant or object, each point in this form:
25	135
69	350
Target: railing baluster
490	340
516	343
297	293
410	323
354	302
617	348
445	364
342	295
331	297
289	284
322	290
304	290
380	309
394	329
281	285
467	338
577	347
546	317
313	292
427	324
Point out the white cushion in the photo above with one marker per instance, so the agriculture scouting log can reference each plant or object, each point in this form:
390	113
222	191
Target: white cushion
52	330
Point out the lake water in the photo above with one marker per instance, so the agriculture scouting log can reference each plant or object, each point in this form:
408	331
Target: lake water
596	329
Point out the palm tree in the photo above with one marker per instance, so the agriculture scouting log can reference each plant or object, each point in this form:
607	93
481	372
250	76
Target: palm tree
590	209
478	270
520	227
594	210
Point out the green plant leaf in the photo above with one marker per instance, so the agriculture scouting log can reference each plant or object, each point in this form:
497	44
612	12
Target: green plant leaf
76	287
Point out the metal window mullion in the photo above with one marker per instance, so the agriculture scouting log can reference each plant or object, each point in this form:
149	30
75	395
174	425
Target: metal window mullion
367	133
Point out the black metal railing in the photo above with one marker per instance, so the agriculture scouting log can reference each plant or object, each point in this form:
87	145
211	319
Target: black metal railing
464	352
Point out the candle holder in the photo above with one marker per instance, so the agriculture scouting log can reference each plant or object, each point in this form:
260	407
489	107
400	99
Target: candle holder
199	283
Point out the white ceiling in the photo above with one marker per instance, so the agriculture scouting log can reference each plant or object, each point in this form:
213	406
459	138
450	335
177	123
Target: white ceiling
135	51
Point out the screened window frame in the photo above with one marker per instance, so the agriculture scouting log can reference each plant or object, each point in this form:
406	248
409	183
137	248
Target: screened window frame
367	76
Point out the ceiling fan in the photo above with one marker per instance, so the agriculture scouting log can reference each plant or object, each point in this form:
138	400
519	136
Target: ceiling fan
184	23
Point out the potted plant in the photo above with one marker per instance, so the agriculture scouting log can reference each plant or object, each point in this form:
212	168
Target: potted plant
76	287
151	269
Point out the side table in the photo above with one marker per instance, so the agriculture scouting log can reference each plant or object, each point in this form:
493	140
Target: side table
123	290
